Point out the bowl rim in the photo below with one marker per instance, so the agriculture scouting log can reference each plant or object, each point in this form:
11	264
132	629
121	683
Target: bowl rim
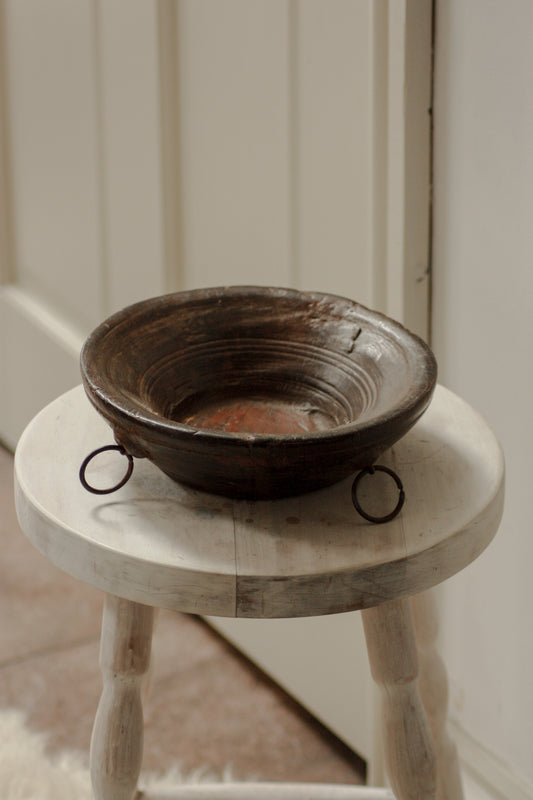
112	403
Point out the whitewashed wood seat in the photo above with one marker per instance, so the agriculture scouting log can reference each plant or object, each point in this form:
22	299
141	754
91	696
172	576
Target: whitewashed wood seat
158	544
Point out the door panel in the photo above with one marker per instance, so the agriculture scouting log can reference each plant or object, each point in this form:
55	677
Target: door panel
54	155
81	183
128	66
322	663
295	148
153	146
276	125
333	146
235	145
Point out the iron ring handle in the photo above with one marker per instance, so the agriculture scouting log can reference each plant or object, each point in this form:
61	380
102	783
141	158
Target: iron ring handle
401	497
90	457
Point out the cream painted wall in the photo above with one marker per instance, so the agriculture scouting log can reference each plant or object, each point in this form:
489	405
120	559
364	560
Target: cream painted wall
483	337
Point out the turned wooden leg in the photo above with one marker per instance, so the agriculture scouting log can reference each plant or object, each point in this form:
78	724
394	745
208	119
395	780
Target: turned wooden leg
146	687
117	740
408	748
434	693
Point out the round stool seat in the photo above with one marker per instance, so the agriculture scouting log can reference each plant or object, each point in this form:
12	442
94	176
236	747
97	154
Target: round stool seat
161	544
155	543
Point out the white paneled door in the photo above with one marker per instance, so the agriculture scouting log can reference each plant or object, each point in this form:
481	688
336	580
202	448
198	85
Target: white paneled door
152	146
81	189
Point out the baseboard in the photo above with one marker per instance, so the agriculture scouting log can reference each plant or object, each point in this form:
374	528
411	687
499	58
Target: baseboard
485	775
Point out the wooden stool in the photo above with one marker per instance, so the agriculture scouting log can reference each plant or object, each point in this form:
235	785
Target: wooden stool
158	544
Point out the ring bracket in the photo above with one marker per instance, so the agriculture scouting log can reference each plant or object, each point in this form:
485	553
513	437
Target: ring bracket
370	470
86	485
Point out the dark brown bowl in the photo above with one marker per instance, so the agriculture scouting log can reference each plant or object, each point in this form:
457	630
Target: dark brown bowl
256	392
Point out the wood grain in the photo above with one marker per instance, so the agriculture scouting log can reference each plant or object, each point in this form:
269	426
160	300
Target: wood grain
117	740
433	686
408	746
256	392
159	543
267	791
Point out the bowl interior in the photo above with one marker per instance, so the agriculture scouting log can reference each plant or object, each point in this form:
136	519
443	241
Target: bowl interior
248	361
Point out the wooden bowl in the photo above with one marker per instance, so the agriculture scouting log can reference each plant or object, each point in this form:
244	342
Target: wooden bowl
256	392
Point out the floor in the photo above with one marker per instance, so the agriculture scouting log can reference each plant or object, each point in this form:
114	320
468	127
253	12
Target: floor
208	705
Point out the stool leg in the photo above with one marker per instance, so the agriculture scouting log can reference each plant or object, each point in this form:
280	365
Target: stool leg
434	693
117	740
409	755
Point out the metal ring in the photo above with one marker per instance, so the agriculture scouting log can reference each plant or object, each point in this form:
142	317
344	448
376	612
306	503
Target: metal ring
89	458
399	504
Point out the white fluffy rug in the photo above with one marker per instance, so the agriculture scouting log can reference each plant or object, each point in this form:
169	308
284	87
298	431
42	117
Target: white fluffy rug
27	772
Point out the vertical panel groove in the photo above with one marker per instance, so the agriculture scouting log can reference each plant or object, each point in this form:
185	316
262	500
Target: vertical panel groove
7	239
169	101
379	167
409	81
431	173
294	137
395	265
100	161
417	156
